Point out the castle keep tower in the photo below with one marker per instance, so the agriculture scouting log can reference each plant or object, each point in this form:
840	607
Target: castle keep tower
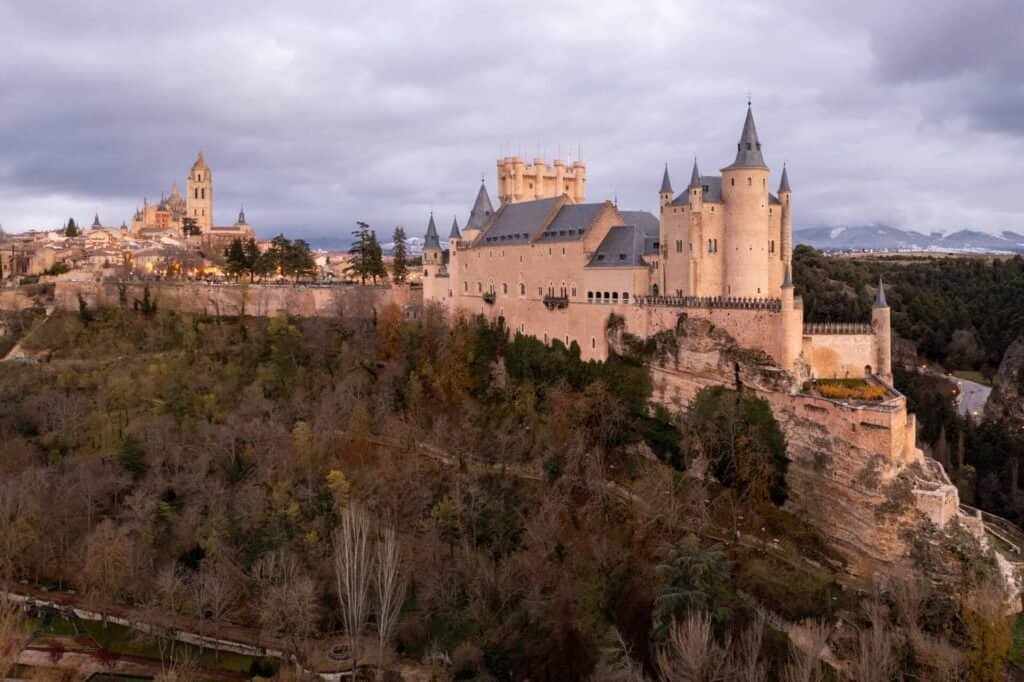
519	182
199	198
746	238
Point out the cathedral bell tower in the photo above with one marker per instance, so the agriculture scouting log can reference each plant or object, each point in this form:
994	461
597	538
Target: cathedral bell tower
199	198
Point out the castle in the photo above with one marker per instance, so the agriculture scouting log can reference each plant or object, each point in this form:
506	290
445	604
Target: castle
711	276
178	217
554	266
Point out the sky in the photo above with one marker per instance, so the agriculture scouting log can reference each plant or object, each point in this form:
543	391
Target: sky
317	114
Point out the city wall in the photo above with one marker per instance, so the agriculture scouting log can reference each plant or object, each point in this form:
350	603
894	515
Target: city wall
237	299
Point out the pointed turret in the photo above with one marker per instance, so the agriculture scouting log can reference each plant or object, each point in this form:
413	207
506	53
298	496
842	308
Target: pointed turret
482	210
430	239
666	184
455	234
880	296
96	221
241	215
787	279
748	150
694	176
784	182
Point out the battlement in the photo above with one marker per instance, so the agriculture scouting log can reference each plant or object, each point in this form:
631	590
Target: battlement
519	181
735	303
811	328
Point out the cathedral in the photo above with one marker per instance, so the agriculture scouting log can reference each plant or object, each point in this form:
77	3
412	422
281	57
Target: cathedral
555	266
192	215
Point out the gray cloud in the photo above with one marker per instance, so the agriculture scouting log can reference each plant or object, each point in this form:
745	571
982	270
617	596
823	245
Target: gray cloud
319	115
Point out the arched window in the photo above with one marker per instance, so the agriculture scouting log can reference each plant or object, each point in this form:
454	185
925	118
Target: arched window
732	182
750	181
522	289
504	287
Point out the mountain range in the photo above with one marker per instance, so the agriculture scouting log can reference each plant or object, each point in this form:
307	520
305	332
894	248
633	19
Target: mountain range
886	238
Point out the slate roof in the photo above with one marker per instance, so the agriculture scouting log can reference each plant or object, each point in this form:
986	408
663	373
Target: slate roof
514	223
666	184
712	192
748	150
880	296
694	176
455	234
482	210
571	222
623	246
430	239
784	182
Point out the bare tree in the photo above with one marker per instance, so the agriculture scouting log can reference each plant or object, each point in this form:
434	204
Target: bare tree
744	655
390	587
876	659
353	565
691	652
12	639
805	658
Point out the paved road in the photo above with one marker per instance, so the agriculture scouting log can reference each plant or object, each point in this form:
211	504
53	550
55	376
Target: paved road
972	398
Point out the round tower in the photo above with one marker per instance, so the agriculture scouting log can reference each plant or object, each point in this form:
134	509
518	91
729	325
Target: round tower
199	198
746	230
431	250
881	322
785	196
579	190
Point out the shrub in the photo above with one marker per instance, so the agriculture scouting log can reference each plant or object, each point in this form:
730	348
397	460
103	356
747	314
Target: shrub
846	389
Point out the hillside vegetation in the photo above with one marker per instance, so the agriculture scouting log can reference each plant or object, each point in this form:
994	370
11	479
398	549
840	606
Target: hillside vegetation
546	523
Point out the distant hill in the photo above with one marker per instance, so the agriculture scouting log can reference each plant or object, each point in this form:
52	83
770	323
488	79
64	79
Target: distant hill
343	244
886	238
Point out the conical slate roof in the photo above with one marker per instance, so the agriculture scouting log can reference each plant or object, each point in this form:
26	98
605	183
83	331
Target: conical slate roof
880	296
241	216
666	184
481	211
695	176
96	221
455	234
784	182
787	280
430	239
748	151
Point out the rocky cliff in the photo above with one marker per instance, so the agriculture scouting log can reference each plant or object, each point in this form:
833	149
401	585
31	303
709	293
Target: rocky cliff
855	471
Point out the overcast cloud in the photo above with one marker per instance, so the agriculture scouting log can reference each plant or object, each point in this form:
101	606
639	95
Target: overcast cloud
320	113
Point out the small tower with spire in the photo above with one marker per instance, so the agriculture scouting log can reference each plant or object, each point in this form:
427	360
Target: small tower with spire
881	322
432	260
479	215
695	189
785	196
665	193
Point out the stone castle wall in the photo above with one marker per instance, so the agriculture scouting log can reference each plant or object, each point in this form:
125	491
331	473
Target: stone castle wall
236	299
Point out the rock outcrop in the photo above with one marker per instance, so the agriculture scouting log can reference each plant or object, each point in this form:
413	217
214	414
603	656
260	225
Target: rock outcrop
1007	398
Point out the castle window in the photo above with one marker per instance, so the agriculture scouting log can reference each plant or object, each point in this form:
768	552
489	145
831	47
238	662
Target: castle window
750	181
593	342
479	287
563	250
590	295
707	188
732	182
679	246
574	292
197	192
203	192
615	296
522	290
625	296
504	288
465	286
748	145
771	246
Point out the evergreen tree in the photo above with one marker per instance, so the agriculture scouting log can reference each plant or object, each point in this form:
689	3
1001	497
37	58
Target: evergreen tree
299	259
190	227
375	259
237	262
252	257
400	267
71	229
360	252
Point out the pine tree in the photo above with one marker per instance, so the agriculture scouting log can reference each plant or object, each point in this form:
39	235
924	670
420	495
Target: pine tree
252	257
237	263
400	267
375	259
360	252
71	229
